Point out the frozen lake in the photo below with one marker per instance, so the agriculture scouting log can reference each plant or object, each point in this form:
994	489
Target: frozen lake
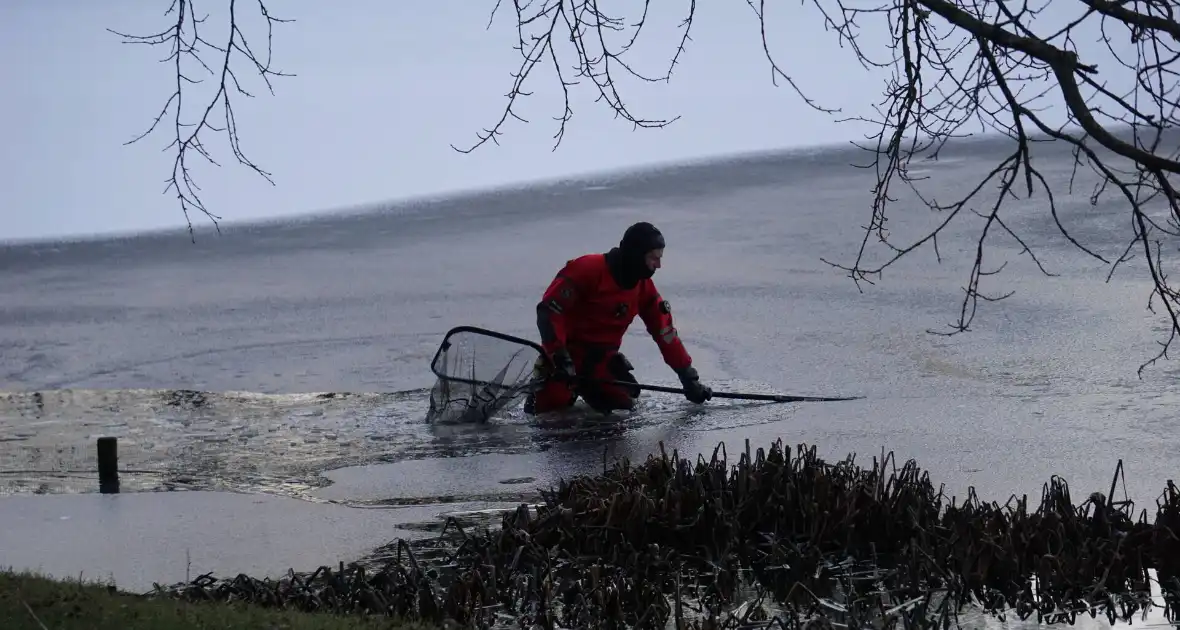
97	336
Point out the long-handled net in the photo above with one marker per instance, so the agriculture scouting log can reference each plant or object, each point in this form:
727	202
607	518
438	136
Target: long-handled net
480	372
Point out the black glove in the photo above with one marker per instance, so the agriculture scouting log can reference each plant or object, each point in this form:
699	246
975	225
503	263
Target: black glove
693	389
563	365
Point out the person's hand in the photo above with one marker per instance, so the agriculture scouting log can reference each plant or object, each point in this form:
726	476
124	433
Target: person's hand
693	389
564	366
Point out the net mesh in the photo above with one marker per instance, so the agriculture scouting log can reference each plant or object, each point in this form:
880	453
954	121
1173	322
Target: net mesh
479	373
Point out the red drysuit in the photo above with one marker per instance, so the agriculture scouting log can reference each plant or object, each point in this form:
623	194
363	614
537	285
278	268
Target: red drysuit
585	311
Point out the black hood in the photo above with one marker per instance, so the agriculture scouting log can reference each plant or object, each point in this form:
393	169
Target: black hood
626	261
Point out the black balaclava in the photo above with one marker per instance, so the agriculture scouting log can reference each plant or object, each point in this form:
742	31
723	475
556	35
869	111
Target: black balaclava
627	260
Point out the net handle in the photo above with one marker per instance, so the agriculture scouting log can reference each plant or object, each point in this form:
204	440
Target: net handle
779	398
446	343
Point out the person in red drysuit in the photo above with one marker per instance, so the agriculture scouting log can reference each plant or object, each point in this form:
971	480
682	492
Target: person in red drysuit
583	315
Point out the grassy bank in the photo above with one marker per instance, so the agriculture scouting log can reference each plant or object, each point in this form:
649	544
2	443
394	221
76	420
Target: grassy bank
33	602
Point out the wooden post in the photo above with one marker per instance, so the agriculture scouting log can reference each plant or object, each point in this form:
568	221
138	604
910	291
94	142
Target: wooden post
108	465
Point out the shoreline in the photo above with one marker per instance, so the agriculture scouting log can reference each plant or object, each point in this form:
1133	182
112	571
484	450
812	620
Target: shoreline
778	532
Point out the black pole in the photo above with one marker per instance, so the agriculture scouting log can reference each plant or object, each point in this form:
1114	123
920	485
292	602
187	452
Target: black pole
108	465
780	398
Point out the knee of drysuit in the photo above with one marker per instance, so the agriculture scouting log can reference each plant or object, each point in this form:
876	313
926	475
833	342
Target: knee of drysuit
619	366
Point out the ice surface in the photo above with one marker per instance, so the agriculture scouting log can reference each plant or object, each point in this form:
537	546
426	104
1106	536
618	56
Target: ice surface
96	337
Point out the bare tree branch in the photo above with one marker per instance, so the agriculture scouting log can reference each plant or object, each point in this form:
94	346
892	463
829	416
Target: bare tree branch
588	29
186	42
955	63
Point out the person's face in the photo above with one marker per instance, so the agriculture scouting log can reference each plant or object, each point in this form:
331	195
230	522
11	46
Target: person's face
653	259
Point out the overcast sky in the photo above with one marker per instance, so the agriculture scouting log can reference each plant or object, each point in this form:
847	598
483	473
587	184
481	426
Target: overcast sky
382	90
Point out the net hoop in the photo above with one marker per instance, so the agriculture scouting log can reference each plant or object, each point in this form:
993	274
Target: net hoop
480	372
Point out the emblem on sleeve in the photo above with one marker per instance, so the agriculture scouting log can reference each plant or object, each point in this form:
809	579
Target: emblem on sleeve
665	307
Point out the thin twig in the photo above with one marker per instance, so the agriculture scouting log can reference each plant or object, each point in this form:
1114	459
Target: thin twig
33	615
187	42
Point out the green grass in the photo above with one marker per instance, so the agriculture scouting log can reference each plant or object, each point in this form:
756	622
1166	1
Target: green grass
33	602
